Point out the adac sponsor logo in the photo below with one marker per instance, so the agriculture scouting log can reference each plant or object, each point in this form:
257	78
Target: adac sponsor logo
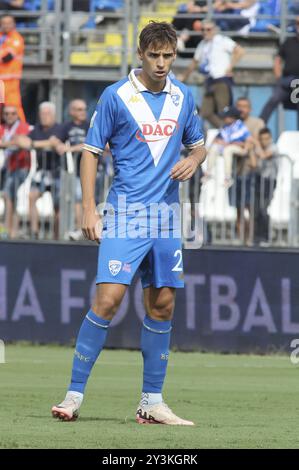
155	131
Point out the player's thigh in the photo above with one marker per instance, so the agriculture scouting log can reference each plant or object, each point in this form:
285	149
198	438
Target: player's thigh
119	258
159	302
167	263
107	299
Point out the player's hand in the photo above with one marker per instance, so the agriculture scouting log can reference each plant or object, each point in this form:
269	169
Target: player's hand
91	224
184	169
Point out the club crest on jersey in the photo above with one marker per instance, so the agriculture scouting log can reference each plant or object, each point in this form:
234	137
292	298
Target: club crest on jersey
157	130
175	99
114	266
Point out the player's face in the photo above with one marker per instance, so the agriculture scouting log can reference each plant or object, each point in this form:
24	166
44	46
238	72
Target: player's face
157	62
244	108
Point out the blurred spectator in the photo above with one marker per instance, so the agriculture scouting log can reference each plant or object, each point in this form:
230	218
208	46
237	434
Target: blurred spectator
185	25
244	10
233	139
102	6
73	135
11	62
21	5
286	69
106	5
253	124
10	5
293	7
79	16
17	162
266	155
216	57
44	138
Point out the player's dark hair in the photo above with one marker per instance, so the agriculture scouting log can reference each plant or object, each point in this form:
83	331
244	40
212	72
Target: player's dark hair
264	131
156	34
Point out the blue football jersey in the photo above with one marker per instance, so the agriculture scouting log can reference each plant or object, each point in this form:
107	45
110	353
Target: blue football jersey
145	131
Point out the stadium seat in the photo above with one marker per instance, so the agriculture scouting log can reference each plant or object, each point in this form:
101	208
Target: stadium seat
214	196
98	5
45	206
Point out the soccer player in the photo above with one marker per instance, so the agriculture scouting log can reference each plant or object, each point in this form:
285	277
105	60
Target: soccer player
145	118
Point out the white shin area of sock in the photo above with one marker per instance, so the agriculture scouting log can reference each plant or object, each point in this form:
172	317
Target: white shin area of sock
76	395
150	399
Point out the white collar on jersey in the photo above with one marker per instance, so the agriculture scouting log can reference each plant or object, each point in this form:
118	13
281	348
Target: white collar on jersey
139	87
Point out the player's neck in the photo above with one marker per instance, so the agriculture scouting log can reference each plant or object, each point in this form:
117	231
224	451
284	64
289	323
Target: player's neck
149	83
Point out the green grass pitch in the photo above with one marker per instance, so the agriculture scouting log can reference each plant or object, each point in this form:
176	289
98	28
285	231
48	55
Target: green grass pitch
236	401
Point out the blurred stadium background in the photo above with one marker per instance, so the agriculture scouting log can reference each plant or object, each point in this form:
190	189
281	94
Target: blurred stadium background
238	287
241	293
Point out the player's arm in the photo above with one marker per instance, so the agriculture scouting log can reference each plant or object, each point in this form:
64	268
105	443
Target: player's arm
185	169
90	219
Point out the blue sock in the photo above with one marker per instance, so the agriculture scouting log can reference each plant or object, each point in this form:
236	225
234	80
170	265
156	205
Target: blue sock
155	339
90	342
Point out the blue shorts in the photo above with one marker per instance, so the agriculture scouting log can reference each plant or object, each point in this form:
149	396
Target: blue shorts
158	261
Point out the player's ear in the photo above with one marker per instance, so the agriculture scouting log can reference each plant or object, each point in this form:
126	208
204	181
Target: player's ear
140	54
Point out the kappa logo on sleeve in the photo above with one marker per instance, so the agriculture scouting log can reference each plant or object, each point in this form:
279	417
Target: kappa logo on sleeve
93	118
114	266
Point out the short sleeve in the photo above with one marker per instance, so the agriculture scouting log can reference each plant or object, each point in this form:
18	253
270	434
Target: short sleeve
101	124
192	136
62	133
228	43
33	133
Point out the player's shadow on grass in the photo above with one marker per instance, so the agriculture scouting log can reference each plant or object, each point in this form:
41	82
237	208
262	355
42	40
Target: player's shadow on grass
86	419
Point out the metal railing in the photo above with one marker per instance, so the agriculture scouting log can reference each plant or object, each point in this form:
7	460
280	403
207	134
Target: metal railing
254	210
39	201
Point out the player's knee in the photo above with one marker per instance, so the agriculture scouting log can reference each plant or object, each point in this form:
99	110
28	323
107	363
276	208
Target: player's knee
105	306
